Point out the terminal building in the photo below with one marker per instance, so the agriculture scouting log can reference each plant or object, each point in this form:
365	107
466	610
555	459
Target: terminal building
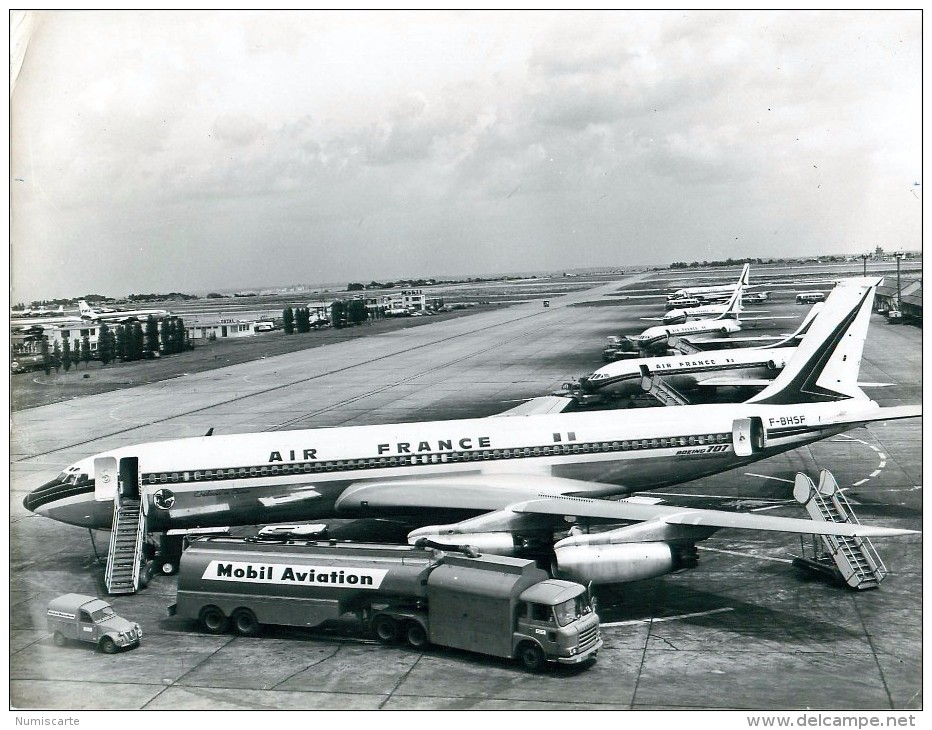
908	300
218	327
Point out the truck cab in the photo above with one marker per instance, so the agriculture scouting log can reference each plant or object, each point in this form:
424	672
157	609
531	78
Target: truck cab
556	622
86	618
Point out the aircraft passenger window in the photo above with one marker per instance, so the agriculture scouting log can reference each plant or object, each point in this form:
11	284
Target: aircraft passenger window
654	443
644	443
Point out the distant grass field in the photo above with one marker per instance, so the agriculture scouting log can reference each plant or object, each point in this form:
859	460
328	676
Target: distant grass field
30	390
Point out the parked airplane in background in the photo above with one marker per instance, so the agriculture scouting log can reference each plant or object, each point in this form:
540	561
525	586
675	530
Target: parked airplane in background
725	323
38	312
718	291
512	485
742	367
118	315
678	316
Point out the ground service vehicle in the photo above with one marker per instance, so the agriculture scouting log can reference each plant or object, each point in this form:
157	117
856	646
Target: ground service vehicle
87	618
501	606
810	297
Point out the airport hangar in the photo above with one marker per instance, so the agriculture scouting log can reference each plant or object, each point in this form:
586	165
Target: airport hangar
743	630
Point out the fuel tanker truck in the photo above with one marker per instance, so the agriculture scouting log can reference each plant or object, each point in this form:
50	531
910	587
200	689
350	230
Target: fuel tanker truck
490	604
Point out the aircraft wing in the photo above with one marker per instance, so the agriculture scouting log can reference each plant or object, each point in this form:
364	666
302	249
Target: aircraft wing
542	405
742	318
508	497
691	517
733	382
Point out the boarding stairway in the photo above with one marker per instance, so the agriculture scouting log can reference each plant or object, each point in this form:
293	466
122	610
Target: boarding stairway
853	560
654	385
127	539
682	346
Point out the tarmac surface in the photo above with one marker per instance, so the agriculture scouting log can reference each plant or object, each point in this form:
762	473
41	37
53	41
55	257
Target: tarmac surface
745	630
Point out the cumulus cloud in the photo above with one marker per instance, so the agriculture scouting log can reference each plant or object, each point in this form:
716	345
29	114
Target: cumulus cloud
479	141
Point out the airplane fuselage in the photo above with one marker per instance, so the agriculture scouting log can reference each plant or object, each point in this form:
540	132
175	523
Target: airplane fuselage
689	371
302	475
660	333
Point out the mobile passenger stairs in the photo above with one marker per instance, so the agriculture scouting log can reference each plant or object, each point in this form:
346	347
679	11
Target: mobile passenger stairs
655	386
849	560
132	559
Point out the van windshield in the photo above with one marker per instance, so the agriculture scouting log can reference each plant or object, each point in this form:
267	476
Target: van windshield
101	613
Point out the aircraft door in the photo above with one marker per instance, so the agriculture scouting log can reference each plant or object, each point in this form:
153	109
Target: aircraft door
747	436
129	477
105	479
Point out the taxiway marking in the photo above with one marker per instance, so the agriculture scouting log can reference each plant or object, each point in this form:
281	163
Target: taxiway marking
766	476
666	618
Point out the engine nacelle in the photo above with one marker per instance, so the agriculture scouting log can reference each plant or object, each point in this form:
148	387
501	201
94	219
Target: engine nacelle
617	563
677	316
497	543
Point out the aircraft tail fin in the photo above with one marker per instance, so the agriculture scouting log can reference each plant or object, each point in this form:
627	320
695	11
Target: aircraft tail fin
825	365
733	308
800	331
745	278
85	310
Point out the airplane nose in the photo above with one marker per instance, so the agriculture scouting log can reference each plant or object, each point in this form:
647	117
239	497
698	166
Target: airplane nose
48	493
70	502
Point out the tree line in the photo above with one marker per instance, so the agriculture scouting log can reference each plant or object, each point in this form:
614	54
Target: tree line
124	342
342	314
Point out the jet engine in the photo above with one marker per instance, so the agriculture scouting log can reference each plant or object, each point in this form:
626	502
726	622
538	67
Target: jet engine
498	543
677	316
621	562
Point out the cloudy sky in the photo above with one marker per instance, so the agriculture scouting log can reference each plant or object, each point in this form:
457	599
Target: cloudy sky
196	151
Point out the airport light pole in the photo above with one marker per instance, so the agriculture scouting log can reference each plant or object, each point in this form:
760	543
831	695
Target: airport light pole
865	257
898	255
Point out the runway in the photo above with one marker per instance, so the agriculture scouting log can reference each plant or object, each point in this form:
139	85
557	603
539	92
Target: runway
743	630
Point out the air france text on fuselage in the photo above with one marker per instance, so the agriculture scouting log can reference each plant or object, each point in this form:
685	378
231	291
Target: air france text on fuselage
415	447
692	363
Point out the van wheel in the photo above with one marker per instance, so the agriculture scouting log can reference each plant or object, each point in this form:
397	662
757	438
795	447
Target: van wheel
531	657
416	636
213	620
107	645
385	629
59	639
244	622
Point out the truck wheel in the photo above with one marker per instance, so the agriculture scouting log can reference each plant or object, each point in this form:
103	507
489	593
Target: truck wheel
416	636
385	629
107	645
59	639
213	620
244	622
531	657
